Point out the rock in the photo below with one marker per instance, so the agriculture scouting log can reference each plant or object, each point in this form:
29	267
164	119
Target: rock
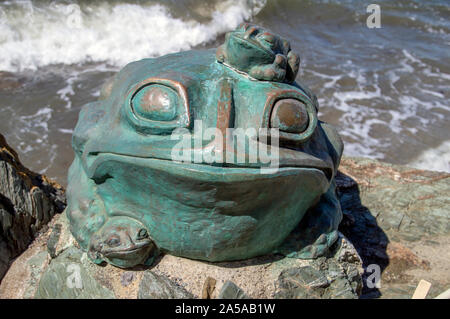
155	286
231	291
406	203
127	278
53	240
208	288
28	201
303	282
393	214
325	278
67	278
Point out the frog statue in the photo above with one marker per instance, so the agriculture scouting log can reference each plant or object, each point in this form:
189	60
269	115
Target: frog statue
129	200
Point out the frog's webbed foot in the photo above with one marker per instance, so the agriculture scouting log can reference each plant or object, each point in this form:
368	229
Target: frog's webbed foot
317	231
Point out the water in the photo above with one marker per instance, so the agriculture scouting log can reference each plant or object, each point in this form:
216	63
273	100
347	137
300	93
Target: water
386	89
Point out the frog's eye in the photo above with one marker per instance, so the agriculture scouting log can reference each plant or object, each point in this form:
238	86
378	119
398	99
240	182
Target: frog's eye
289	115
293	113
142	234
113	241
158	106
156	102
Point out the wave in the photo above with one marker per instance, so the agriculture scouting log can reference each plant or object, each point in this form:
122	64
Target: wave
435	159
39	33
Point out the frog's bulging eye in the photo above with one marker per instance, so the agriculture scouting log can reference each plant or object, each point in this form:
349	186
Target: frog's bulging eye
293	113
289	115
158	106
142	234
156	102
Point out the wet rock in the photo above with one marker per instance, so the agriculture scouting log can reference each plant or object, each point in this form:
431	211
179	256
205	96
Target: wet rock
231	291
27	203
155	286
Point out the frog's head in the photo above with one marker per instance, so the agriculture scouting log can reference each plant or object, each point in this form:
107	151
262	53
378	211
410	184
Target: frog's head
259	53
122	241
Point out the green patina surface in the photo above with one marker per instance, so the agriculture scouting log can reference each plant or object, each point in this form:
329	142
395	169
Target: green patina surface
128	200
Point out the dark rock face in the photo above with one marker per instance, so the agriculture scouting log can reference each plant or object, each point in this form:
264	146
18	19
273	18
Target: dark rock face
28	201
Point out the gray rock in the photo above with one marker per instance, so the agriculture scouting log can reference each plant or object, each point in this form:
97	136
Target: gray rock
67	278
53	240
387	205
127	278
231	291
27	202
308	282
155	286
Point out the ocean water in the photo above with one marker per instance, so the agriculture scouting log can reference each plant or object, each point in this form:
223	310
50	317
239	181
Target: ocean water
387	89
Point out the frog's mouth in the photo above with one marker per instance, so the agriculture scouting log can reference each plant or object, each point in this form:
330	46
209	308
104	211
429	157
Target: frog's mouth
125	252
100	166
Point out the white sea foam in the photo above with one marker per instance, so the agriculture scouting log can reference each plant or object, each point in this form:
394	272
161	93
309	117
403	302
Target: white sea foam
32	36
435	159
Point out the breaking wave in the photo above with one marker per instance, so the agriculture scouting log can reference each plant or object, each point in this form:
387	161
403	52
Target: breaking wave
39	33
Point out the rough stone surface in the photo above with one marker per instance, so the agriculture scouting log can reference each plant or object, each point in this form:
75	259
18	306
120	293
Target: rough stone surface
231	291
155	286
67	278
398	218
28	201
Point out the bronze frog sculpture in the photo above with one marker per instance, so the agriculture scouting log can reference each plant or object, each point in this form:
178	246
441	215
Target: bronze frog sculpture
128	200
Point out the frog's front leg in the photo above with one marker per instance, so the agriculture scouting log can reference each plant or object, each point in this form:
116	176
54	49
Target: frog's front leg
85	209
318	229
